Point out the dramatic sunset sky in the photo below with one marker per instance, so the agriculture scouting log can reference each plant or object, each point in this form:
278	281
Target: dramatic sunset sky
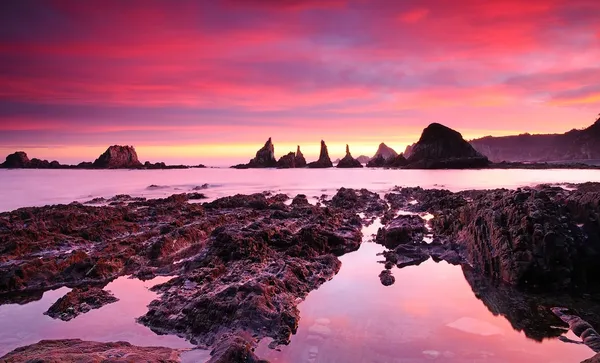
209	81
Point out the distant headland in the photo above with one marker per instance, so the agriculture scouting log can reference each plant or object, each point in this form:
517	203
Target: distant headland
439	147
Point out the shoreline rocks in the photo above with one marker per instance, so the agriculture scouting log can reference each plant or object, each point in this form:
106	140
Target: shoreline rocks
78	351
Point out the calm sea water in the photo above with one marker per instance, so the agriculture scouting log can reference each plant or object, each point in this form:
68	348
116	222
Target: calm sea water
429	314
22	188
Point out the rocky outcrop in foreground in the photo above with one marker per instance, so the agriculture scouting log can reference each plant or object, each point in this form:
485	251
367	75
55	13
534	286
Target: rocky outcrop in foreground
79	301
324	160
265	158
348	161
79	351
443	148
118	157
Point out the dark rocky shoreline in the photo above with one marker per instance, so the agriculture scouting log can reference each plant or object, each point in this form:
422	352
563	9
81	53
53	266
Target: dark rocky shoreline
241	264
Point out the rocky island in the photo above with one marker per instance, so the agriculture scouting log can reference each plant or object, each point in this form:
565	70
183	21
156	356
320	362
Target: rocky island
324	160
348	161
115	157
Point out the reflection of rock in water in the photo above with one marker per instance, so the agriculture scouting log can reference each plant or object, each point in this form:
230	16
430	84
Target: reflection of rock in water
529	313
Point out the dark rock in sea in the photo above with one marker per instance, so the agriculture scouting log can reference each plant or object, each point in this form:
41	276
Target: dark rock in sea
292	160
287	161
85	165
118	157
235	349
16	160
377	162
300	200
443	148
401	230
79	351
397	162
79	301
352	199
300	160
407	255
201	187
386	278
324	160
265	158
348	161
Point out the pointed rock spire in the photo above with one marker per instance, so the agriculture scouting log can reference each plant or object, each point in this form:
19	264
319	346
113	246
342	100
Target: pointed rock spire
348	161
324	160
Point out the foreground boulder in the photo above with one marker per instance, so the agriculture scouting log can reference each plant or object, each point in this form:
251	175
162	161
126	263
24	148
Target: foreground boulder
348	161
324	160
79	351
265	158
118	157
79	301
443	148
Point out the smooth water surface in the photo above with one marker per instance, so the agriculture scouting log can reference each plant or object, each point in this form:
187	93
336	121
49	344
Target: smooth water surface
25	187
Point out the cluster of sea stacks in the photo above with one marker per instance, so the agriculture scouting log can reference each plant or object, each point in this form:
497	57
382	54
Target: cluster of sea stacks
115	157
439	148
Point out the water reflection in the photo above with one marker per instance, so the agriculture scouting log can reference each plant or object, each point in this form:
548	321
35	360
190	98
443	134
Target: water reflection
26	324
430	313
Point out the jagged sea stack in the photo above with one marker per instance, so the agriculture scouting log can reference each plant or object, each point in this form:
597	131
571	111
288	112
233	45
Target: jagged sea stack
300	160
265	158
118	157
348	161
324	160
16	160
440	147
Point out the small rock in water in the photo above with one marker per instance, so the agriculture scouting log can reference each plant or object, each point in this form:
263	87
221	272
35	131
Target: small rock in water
386	278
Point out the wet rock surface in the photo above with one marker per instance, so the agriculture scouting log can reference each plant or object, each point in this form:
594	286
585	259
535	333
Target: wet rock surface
79	351
241	264
79	301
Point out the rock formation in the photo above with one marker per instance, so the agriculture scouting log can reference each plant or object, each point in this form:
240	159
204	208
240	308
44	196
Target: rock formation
348	161
397	161
385	151
20	160
575	145
78	351
292	160
324	160
443	148
118	157
265	158
79	301
363	159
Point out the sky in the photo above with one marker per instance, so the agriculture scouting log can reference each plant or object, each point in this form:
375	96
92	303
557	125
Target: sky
210	81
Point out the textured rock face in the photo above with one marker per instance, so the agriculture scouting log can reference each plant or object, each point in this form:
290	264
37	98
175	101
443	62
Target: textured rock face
443	148
118	157
79	351
18	159
79	301
348	161
234	349
324	160
528	238
401	230
385	152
